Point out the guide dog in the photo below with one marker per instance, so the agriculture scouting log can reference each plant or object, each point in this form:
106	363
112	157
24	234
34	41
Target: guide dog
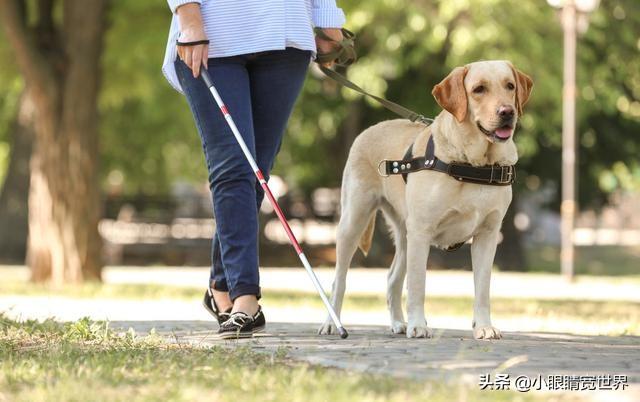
482	102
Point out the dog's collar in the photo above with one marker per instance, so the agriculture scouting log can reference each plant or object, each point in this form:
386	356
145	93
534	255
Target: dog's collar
493	175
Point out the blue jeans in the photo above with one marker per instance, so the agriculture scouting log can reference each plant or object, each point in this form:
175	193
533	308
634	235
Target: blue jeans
259	90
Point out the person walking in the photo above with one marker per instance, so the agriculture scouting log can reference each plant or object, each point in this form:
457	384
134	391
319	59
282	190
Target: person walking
257	53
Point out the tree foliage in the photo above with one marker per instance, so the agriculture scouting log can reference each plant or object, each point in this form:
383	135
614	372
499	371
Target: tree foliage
148	139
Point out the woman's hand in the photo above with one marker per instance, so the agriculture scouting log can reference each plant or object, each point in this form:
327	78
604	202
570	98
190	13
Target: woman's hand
326	46
192	29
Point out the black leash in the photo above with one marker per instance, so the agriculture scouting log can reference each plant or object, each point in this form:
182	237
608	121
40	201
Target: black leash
494	175
394	107
343	55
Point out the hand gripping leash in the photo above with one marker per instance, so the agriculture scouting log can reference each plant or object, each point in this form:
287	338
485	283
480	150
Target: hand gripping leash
344	54
207	79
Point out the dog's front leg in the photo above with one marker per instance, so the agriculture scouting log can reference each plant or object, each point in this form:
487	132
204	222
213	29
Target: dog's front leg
417	254
483	251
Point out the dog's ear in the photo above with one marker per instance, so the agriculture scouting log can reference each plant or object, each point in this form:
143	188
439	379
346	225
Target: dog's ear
451	95
524	84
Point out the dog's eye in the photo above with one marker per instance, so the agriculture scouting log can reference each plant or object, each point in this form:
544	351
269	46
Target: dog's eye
479	89
510	86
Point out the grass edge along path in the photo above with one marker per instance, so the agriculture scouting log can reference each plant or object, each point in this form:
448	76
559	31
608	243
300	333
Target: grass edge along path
623	317
86	360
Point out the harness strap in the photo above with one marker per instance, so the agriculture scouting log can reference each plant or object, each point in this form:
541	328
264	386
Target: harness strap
494	175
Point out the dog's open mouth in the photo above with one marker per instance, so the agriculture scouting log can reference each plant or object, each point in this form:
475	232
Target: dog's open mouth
500	134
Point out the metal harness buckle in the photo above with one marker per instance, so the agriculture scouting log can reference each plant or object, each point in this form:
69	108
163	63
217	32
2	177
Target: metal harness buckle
509	174
385	174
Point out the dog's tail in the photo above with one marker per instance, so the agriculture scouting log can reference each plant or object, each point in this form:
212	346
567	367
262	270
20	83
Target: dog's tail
367	236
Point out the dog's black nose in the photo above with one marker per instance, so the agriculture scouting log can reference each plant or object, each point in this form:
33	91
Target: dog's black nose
506	112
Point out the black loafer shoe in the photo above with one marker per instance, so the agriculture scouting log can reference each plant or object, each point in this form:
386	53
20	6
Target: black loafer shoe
210	305
259	321
242	325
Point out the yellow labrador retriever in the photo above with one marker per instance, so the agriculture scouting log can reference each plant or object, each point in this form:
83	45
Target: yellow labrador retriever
482	102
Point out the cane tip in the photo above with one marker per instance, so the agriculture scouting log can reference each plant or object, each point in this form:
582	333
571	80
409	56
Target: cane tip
343	333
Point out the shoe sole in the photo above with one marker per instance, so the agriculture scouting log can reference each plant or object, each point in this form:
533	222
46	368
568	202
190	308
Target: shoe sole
235	335
241	335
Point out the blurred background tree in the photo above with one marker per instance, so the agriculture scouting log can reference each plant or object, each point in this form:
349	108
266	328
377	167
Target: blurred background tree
57	48
148	140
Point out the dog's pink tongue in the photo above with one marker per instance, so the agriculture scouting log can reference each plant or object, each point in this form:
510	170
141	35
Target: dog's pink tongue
504	132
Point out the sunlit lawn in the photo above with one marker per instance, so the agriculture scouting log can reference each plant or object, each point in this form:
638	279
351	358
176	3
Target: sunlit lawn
614	317
85	361
600	260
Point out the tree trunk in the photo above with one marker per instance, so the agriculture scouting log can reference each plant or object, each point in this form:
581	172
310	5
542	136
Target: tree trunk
61	70
15	191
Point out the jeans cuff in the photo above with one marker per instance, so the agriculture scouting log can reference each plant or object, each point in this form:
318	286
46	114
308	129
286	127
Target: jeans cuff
244	290
221	286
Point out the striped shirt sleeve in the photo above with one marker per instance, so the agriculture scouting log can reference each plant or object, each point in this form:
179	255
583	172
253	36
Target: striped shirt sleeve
326	14
174	4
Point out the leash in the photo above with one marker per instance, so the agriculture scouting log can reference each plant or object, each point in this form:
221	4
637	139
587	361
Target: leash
494	175
394	107
343	55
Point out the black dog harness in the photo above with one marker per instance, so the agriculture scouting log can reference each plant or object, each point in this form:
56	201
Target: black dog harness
493	175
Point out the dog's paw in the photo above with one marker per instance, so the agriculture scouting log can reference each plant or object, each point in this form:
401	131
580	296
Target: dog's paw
327	329
487	332
399	327
419	331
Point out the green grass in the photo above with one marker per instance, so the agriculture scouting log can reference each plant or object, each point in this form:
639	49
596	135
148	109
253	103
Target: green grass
616	317
86	360
599	260
560	315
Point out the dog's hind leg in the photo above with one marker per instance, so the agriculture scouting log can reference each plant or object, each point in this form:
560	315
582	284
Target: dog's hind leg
397	272
358	209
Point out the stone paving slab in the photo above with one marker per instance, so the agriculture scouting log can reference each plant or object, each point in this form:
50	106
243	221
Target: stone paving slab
450	354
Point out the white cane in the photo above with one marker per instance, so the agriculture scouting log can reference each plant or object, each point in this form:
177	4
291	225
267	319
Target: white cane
207	79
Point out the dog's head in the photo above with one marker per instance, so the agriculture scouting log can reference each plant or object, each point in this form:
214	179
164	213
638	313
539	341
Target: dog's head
489	95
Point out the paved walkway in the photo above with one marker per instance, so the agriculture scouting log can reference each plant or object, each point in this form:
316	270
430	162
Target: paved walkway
450	355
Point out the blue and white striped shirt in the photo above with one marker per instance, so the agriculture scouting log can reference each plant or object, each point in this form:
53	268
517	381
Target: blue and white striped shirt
248	26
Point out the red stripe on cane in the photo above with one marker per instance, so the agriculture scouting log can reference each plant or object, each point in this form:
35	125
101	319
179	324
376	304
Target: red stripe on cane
259	175
224	109
283	220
